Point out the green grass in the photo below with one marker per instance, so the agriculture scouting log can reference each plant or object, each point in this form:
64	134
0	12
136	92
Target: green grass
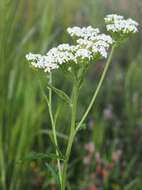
21	114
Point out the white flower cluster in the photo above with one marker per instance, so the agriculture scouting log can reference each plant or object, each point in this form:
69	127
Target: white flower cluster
55	57
90	44
41	62
98	44
117	24
92	41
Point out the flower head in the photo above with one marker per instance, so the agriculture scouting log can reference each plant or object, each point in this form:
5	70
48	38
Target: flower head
54	57
41	62
116	24
98	45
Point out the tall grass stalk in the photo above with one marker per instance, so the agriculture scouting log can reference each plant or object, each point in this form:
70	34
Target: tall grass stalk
19	22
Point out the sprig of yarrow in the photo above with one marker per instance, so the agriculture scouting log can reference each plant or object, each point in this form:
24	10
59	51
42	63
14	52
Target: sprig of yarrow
90	45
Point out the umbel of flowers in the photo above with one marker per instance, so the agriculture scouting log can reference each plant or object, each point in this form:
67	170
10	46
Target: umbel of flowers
90	46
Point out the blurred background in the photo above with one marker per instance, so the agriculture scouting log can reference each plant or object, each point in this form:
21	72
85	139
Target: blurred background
107	155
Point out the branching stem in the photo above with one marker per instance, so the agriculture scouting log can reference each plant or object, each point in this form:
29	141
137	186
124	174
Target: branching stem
97	89
71	136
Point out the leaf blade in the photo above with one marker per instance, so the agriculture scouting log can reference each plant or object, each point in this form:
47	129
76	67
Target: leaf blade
60	93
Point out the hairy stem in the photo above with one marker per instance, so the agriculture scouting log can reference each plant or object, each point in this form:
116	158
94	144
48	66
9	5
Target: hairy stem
2	164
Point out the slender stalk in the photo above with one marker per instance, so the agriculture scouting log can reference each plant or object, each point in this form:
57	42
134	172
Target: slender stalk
97	90
54	129
71	136
2	164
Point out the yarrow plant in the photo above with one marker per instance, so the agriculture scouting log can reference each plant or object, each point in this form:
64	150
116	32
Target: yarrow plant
74	60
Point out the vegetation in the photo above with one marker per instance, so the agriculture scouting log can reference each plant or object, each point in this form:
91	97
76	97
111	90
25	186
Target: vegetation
108	150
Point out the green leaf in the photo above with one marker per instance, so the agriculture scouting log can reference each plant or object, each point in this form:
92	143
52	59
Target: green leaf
130	167
53	172
59	134
132	184
57	149
40	156
61	94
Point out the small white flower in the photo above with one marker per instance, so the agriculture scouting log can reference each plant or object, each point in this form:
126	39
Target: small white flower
85	43
84	32
41	62
83	54
32	57
67	47
103	37
111	17
99	50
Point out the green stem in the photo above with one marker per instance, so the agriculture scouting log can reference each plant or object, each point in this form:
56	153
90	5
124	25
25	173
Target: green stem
74	130
71	136
98	88
2	165
54	129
